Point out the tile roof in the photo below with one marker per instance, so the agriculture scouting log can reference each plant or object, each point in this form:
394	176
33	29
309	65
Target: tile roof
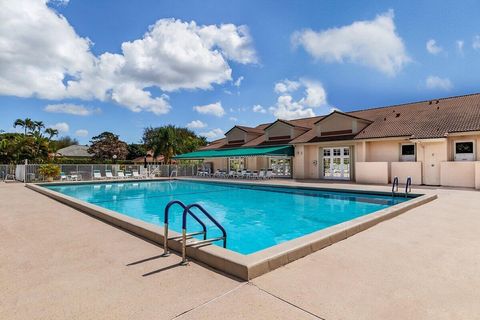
418	120
74	151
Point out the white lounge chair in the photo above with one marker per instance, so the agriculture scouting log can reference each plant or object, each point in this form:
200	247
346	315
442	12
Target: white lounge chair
254	175
261	174
270	174
231	174
108	174
63	176
121	174
97	175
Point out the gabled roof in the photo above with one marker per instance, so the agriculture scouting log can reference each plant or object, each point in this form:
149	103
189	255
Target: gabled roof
421	120
343	114
246	129
74	151
287	122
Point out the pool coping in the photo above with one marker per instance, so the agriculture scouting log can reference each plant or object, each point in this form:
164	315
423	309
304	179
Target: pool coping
245	267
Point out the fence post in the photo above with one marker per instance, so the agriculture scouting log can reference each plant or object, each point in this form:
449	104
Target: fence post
25	173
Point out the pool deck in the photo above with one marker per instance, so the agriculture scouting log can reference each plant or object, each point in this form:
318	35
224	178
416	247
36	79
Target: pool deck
58	263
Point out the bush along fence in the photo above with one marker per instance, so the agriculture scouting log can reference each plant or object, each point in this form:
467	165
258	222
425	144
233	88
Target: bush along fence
87	172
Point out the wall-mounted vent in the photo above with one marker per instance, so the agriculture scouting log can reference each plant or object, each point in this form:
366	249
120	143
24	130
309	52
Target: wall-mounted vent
397	115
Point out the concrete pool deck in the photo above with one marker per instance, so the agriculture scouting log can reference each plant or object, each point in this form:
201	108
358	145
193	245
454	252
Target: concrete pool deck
58	263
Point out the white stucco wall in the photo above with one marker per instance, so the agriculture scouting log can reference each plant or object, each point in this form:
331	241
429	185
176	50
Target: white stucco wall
458	173
371	172
402	170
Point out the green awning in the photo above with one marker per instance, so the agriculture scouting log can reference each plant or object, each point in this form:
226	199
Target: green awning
286	151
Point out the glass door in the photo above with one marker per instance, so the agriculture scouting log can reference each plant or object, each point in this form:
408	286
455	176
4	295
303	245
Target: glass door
281	167
336	163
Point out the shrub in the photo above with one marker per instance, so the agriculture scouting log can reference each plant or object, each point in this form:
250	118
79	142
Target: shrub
49	171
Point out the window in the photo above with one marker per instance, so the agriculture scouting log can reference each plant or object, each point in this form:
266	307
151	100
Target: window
236	164
407	152
464	151
326	152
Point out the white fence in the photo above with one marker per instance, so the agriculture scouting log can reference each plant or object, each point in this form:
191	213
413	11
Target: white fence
84	172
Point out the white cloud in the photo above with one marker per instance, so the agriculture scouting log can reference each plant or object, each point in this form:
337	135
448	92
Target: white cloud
214	109
332	109
81	133
238	82
435	82
288	108
286	86
258	108
432	47
233	119
196	124
44	57
372	43
460	44
62	127
476	42
70	108
213	134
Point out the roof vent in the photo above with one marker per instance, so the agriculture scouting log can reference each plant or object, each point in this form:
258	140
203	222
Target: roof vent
438	108
437	102
397	115
384	119
430	102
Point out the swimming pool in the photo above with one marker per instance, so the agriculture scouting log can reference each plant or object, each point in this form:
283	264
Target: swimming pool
255	217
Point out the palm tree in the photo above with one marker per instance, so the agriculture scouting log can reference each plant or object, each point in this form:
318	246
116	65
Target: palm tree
27	124
51	133
38	126
166	142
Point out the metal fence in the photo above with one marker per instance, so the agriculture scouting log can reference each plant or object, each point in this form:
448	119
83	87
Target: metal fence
85	172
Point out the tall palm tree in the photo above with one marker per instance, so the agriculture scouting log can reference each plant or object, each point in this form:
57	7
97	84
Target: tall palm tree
27	124
38	126
51	133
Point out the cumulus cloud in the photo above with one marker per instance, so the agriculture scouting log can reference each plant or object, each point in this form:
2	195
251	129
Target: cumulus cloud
435	82
70	108
238	82
62	127
45	58
233	119
214	109
287	107
196	124
258	108
286	86
476	42
81	133
460	44
432	47
213	134
373	43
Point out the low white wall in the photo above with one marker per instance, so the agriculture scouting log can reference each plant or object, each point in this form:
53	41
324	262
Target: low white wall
457	173
371	172
477	175
402	170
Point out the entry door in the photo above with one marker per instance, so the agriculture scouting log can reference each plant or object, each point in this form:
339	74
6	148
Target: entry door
434	154
336	163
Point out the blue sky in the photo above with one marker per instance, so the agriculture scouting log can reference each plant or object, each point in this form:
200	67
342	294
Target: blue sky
90	66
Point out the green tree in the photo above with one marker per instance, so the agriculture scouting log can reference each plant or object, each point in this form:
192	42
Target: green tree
51	133
106	145
136	150
170	140
27	124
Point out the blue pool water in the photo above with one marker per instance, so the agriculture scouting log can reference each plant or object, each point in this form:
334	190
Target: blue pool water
255	217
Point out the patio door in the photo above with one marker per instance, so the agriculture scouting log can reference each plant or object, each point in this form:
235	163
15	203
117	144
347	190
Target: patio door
336	163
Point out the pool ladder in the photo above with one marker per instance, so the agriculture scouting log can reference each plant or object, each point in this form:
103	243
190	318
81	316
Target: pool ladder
408	186
187	211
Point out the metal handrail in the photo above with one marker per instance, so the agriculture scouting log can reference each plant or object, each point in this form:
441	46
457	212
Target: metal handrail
395	183
184	230
408	186
165	232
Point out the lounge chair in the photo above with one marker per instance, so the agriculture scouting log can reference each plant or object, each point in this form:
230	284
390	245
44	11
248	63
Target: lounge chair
243	174
254	175
73	177
63	176
121	174
108	174
270	174
231	174
261	174
128	174
97	175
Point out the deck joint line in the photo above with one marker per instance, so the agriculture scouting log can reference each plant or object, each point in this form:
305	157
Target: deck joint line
288	302
210	301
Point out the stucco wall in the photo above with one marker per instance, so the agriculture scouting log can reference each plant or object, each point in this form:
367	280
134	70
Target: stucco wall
457	174
451	145
279	129
311	156
336	122
218	163
477	175
402	170
236	134
383	151
299	162
371	172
